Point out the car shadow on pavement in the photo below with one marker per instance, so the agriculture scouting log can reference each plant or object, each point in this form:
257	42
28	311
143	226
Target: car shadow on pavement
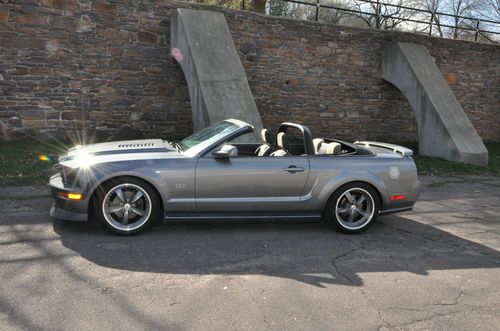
309	252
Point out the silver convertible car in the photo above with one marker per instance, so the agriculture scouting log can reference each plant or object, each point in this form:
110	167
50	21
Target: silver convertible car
216	173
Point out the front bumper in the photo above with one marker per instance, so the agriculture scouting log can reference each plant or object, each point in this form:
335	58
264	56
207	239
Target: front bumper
64	208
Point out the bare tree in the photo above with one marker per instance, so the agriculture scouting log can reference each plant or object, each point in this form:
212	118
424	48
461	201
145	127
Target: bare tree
259	6
332	14
490	11
459	19
461	9
253	5
234	4
388	16
434	6
290	9
277	7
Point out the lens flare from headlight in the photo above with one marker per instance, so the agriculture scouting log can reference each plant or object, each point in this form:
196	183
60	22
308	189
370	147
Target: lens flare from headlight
83	159
44	158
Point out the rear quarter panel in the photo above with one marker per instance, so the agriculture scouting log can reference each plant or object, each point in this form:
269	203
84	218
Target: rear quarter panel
328	173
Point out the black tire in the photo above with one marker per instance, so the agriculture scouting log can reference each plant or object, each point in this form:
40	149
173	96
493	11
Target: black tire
108	199
339	208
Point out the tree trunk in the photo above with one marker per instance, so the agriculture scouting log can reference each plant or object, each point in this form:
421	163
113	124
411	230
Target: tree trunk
259	6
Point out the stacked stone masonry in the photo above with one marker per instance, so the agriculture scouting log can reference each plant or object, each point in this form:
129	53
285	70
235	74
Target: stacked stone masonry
68	65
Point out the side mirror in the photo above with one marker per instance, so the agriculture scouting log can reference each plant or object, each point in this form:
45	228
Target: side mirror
226	151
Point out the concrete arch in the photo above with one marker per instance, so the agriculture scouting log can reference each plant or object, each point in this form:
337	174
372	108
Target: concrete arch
218	87
444	129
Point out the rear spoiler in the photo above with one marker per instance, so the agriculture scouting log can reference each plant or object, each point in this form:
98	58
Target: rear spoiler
394	148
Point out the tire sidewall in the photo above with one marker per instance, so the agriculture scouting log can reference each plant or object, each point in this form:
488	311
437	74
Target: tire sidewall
107	186
330	213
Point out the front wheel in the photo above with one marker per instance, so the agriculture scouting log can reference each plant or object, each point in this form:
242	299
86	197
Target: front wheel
353	207
127	205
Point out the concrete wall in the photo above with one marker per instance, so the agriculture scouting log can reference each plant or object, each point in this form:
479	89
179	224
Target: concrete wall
217	83
444	129
67	64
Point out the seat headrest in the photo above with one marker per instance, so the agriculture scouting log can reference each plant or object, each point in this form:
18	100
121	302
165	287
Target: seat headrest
329	149
265	135
317	143
282	141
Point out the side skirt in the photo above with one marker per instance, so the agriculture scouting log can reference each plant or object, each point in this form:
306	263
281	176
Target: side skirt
394	211
242	217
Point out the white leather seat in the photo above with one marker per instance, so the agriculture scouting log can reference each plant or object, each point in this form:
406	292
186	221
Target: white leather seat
266	148
283	144
332	148
317	143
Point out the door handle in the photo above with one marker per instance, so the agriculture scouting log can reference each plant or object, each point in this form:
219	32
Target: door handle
293	169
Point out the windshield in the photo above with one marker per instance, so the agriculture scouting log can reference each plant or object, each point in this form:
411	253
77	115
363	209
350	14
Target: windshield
206	137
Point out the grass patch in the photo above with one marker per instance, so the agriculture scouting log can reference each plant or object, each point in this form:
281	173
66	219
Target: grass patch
20	163
438	167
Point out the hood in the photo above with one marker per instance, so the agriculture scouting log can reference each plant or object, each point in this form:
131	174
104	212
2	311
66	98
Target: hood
117	151
125	146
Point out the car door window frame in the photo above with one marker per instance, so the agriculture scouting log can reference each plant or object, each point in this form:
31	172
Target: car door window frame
237	133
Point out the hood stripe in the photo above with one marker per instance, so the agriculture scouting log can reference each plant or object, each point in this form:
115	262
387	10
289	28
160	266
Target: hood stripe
130	151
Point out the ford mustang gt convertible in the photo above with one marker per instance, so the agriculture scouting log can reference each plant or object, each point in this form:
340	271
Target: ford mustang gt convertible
216	173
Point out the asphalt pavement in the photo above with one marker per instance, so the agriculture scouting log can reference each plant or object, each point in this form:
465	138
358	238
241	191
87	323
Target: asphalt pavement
437	268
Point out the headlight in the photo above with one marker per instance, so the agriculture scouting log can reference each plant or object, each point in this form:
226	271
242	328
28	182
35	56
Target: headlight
68	175
83	159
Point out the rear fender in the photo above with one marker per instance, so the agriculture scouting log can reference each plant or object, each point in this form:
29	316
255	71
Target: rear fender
348	176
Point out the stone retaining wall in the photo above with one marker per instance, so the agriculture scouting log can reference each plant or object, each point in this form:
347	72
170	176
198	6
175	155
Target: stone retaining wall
97	65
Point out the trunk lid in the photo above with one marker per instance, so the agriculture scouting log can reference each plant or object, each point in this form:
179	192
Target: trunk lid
379	147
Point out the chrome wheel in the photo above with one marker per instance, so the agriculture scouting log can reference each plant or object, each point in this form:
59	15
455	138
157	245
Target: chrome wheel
126	207
354	208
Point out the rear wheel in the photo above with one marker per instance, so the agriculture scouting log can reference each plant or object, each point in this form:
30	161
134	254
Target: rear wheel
353	207
127	205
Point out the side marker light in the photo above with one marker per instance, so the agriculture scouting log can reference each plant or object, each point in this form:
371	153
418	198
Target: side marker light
398	197
71	196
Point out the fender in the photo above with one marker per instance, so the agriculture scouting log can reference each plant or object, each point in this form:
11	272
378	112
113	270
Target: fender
146	174
349	176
